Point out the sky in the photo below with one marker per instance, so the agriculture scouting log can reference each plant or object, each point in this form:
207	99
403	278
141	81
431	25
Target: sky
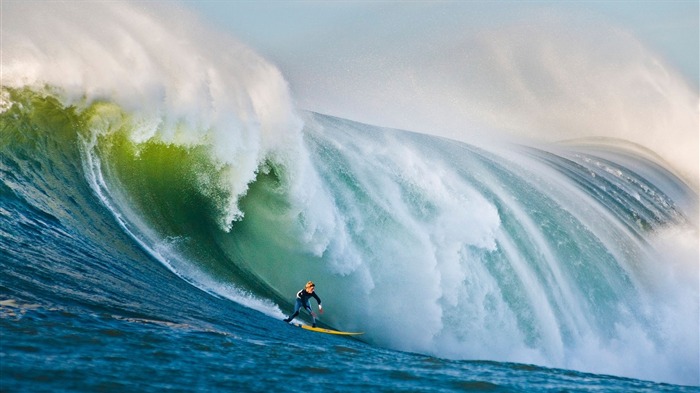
669	26
288	31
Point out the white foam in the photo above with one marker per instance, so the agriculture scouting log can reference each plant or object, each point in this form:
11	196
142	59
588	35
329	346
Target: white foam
418	275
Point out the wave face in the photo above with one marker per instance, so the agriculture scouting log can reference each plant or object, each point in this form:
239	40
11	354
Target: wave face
579	256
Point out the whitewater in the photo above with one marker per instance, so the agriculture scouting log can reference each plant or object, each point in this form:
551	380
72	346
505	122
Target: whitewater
163	197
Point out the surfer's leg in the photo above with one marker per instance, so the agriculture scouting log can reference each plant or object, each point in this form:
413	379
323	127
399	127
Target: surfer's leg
307	306
297	307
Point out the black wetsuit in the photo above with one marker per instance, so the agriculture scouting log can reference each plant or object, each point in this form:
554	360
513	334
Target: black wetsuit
303	298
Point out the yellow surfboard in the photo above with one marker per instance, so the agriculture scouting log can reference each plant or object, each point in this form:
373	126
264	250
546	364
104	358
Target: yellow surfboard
327	331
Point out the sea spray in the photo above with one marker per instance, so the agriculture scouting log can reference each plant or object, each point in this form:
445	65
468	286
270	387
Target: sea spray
536	255
545	73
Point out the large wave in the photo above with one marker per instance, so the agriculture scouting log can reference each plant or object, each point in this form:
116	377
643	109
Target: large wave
581	256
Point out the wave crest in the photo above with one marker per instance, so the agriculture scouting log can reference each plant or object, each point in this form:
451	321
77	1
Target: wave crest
177	84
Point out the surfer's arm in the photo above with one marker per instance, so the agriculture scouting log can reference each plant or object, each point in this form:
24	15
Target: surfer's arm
318	300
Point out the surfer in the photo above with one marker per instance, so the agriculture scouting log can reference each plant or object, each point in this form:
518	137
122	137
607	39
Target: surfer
303	299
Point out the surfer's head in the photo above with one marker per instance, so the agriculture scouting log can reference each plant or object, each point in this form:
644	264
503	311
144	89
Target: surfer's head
310	286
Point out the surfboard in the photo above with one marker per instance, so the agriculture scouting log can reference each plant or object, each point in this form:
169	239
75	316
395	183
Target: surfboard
327	331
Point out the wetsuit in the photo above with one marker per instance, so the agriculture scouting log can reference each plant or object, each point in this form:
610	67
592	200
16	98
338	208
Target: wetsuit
303	300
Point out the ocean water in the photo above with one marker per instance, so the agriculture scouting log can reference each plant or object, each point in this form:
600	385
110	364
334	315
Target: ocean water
154	230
